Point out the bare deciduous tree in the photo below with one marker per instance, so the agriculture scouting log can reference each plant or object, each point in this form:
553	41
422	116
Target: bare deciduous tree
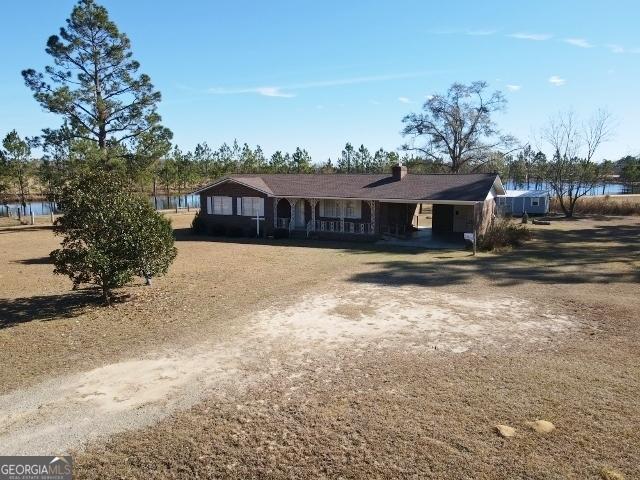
458	126
572	173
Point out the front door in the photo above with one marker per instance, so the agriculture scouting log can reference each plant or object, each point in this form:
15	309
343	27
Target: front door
300	220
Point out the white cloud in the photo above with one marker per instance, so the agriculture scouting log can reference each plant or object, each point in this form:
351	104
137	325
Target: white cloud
285	91
374	102
514	88
404	100
273	92
480	33
578	42
531	36
556	81
615	48
264	91
458	31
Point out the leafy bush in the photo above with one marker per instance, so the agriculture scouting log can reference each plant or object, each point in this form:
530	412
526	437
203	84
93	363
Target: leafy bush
606	205
504	233
109	234
281	233
198	225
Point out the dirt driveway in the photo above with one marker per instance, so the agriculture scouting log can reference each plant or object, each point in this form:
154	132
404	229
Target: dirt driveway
325	362
66	411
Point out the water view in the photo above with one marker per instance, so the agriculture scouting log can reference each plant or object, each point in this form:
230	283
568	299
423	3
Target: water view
160	202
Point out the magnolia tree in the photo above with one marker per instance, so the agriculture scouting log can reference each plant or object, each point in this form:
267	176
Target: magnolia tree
572	172
109	235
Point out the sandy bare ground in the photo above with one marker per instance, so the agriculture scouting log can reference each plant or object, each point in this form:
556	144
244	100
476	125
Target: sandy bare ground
67	411
320	361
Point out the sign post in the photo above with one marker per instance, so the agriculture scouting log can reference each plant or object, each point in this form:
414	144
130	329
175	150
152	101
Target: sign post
258	218
472	238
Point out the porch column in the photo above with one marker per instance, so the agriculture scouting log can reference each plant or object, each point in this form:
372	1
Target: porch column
341	206
313	202
372	209
292	203
275	211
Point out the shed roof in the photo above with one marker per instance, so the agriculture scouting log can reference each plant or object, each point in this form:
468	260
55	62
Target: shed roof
525	193
412	187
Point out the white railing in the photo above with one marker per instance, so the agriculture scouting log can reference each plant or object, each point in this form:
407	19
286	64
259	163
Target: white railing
358	228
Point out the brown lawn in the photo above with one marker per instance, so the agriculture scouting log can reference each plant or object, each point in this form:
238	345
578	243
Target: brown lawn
319	361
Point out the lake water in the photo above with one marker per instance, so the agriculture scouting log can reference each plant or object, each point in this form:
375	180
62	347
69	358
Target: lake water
164	202
161	202
606	189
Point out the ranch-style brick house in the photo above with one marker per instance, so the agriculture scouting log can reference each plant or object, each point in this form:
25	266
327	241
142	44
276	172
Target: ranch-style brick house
348	206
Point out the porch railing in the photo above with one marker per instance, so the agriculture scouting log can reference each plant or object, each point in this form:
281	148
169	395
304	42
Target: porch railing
359	228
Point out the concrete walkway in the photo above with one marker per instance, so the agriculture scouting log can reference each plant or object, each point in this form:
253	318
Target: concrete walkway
424	238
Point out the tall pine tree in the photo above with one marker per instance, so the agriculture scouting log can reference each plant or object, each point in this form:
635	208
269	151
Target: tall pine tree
95	85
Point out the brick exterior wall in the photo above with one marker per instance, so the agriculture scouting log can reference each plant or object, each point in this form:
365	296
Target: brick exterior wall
388	215
245	226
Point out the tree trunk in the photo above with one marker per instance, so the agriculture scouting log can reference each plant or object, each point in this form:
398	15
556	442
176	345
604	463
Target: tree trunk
106	295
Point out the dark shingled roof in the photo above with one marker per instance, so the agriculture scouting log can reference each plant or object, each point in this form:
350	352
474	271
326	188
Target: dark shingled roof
441	187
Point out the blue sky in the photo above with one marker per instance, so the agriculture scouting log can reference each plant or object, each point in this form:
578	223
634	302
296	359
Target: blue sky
318	74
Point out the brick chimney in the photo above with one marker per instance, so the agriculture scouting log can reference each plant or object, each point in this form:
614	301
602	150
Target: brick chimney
398	171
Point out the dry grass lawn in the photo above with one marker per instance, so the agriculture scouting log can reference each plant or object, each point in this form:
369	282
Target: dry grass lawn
283	361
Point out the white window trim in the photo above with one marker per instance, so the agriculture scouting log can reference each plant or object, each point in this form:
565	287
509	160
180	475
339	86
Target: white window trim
357	209
218	204
259	211
337	208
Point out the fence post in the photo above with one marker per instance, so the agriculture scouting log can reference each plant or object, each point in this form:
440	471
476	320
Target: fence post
51	216
33	220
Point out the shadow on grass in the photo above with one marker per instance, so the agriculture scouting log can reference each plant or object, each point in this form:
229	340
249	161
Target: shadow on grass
24	228
363	245
576	256
36	261
49	307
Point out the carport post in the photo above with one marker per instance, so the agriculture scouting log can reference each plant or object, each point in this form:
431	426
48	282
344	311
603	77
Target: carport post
475	227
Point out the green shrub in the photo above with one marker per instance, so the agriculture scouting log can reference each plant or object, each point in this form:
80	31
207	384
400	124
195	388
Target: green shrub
504	233
109	235
198	225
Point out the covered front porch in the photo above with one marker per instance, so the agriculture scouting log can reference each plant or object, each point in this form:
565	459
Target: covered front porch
331	216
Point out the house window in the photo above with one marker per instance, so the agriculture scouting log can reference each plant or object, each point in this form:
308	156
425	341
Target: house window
331	208
352	208
535	202
253	206
220	205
